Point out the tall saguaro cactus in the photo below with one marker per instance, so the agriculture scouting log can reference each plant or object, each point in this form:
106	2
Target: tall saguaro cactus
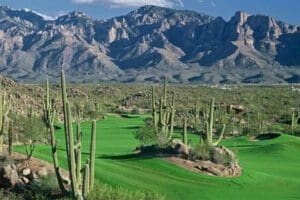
4	110
185	138
163	112
10	137
48	117
80	188
210	125
294	121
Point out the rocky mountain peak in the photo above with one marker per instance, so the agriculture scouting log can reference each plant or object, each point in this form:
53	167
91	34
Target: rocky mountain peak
74	18
240	17
148	43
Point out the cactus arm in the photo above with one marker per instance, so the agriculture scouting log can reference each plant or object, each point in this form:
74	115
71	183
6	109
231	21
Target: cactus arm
64	106
185	139
49	115
72	163
172	114
78	154
10	137
165	92
154	111
86	179
92	156
221	136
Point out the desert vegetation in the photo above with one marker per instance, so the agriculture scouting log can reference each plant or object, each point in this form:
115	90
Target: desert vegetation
85	141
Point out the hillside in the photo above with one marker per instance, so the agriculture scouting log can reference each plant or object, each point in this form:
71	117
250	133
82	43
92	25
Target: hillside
147	44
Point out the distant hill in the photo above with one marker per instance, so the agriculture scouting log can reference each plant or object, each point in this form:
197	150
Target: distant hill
148	43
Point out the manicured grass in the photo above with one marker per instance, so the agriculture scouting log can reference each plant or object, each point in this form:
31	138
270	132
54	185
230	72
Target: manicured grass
271	169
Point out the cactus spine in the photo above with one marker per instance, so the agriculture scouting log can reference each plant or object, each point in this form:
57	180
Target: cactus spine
209	127
79	187
163	118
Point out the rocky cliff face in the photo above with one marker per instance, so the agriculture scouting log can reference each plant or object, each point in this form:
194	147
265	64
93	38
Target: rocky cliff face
147	44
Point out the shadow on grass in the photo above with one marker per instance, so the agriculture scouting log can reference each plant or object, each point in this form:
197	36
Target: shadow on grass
267	136
243	145
132	127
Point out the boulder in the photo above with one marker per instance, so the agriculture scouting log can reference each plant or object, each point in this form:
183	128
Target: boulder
9	176
26	171
178	147
24	180
42	172
214	169
222	155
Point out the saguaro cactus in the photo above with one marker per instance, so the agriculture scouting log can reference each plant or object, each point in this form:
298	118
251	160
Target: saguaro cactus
163	118
79	188
209	127
185	139
294	121
4	110
48	117
10	137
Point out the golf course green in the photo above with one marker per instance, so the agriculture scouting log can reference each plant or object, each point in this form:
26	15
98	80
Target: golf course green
271	168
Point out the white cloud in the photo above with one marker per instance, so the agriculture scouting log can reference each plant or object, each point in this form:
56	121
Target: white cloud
134	3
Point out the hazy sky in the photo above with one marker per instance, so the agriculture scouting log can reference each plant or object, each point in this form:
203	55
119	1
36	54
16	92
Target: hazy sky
285	10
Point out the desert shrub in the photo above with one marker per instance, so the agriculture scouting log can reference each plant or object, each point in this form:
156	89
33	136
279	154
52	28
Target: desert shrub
4	195
201	152
105	192
135	111
146	135
33	131
223	159
42	189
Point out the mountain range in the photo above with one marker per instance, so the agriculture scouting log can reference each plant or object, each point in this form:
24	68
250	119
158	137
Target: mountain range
148	44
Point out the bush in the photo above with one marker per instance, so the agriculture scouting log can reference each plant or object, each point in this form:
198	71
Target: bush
105	192
223	159
42	189
202	152
32	131
146	135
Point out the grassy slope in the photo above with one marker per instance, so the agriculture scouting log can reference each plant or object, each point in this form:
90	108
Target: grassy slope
271	168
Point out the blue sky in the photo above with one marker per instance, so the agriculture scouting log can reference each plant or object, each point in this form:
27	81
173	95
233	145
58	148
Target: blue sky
285	10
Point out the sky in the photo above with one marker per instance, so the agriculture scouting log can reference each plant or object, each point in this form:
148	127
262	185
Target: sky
284	10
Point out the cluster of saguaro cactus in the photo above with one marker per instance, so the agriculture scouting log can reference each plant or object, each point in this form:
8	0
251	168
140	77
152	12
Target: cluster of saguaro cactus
80	188
163	116
209	124
4	110
295	119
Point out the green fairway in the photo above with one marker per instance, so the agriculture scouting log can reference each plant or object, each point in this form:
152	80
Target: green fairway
271	169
